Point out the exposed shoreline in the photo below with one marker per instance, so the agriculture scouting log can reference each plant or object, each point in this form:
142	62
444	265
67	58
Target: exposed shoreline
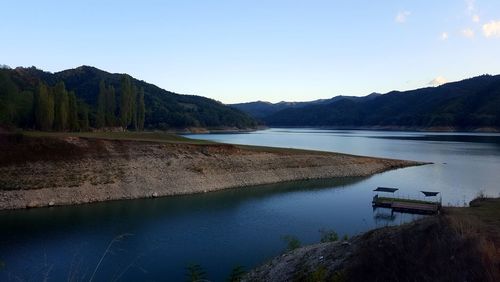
67	170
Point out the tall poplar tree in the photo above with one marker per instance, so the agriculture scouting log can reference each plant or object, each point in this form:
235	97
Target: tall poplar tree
50	109
73	112
83	116
125	105
43	107
133	108
141	110
61	107
110	106
101	106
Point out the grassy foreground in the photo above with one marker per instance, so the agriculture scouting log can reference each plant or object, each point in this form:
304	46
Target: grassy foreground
460	244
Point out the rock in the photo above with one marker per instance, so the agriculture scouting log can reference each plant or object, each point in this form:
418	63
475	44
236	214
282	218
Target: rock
32	204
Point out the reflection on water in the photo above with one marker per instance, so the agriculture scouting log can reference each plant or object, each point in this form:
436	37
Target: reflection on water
244	226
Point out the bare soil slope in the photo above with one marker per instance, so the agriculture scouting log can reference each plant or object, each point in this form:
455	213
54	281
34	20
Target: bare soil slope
63	169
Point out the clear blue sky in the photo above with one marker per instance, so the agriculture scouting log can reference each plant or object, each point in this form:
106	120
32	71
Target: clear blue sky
236	51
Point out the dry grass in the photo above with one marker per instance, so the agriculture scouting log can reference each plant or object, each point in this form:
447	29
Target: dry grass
152	136
460	245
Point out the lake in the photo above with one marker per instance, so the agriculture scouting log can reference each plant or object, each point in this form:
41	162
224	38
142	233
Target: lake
156	239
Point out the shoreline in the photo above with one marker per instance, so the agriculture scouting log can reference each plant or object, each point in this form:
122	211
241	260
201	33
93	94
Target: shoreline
461	243
402	128
68	170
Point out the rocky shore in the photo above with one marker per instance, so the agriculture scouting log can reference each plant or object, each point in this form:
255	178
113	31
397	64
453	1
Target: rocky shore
51	171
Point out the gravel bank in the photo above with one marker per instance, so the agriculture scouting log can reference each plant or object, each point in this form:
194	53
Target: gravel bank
38	172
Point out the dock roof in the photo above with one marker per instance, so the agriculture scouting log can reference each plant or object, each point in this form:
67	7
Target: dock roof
386	189
429	193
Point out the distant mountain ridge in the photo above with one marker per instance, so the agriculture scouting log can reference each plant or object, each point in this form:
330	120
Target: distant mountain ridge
262	109
163	109
468	104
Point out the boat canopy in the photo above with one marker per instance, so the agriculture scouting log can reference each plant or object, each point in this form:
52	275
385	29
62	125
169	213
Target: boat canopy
386	189
429	193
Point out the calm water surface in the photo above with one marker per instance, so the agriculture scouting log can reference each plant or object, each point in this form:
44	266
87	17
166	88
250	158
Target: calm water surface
155	239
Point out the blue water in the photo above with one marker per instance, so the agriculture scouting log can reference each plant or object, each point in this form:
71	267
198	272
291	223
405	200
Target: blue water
156	239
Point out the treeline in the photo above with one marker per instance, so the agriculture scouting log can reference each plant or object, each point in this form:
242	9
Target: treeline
105	100
466	105
131	111
54	108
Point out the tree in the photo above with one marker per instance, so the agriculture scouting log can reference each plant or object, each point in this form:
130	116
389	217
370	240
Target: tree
83	116
141	110
125	105
73	112
8	91
49	111
43	108
110	106
61	104
133	108
101	106
292	242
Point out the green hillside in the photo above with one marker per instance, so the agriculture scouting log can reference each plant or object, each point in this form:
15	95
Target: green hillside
32	98
470	103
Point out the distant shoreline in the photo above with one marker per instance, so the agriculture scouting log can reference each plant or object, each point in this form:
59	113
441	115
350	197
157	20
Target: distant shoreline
40	169
401	128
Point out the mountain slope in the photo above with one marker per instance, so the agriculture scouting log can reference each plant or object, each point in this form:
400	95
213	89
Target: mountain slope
164	109
262	109
470	103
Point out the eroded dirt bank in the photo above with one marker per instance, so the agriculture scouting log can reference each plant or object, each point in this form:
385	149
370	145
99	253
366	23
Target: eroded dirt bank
46	171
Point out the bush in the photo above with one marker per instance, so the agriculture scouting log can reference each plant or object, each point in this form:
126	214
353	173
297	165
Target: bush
292	242
328	236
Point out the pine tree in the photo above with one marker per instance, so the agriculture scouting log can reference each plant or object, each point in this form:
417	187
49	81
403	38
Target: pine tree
101	106
141	110
73	112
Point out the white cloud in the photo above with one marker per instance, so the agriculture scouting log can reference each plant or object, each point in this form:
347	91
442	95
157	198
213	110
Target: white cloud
438	81
470	5
475	18
468	32
444	36
401	16
492	29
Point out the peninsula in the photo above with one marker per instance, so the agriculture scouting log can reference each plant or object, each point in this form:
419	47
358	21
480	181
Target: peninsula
39	169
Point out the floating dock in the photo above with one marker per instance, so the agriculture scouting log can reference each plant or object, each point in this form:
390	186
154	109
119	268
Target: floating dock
406	205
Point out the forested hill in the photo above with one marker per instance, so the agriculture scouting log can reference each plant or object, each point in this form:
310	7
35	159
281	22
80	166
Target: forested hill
467	104
261	109
86	97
